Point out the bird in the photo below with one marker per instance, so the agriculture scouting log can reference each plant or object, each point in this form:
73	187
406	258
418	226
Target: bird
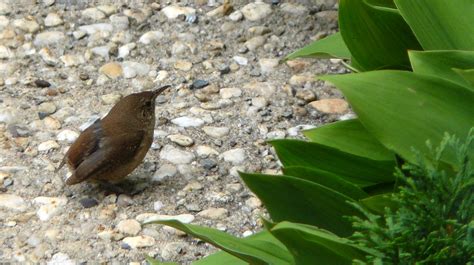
112	147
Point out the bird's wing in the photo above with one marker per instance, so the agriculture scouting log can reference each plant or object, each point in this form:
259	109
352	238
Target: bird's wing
108	153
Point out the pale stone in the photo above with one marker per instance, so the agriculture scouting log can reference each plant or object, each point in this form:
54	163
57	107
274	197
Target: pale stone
330	106
256	11
174	11
176	156
214	213
139	241
112	70
129	227
235	156
12	202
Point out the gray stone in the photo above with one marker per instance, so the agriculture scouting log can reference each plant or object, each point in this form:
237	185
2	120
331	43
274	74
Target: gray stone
176	156
181	140
13	202
214	213
256	11
216	132
235	156
165	171
49	38
93	14
52	20
186	121
139	241
174	11
255	42
240	60
129	227
151	37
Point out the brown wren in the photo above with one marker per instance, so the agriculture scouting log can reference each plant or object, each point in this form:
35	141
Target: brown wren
112	147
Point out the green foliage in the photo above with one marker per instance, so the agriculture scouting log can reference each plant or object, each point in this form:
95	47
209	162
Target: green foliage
353	162
434	220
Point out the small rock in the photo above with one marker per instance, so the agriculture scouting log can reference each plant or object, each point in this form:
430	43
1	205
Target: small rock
103	28
107	9
220	11
247	233
294	9
179	48
5	8
110	235
253	203
276	135
236	16
298	65
181	140
124	50
216	132
330	106
72	60
52	20
111	99
151	37
259	102
5	52
102	51
301	80
47	107
176	156
51	123
28	25
129	227
230	92
112	70
12	202
240	60
206	151
161	76
93	14
88	202
133	69
183	65
186	121
119	22
42	83
256	11
193	186
49	38
139	241
158	205
50	207
61	259
264	89
67	135
48	56
235	156
174	11
214	213
199	83
173	250
165	171
255	42
79	34
152	217
268	66
48	145
306	95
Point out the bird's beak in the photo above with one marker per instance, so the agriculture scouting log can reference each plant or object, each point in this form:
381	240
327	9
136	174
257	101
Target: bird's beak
159	91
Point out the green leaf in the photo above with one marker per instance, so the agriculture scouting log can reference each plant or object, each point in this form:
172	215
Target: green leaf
332	46
310	245
443	64
355	169
467	75
440	24
261	249
326	179
378	203
404	109
351	137
376	37
220	257
291	199
153	261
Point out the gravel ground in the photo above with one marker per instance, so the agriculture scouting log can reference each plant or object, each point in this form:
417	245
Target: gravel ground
65	63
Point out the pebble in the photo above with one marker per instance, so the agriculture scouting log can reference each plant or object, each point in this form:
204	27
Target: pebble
173	11
173	250
267	66
186	121
151	37
107	9
240	60
88	202
183	65
256	11
5	52
61	259
139	241
112	70
235	156
91	29
52	20
214	213
93	14
176	156
164	172
102	51
48	57
42	83
330	106
48	145
181	140
301	80
216	132
230	92
129	227
253	203
276	135
49	38
28	25
259	102
264	89
161	76
294	9
51	123
152	217
158	205
206	151
79	34
119	22
193	186
49	206
47	107
236	16
255	43
298	65
306	95
247	233
12	202
110	234
199	83
72	60
5	8
133	69
124	50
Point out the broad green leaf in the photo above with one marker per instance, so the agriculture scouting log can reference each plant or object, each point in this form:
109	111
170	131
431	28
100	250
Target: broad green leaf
310	245
378	203
468	75
262	249
351	137
220	257
443	64
330	47
153	261
383	3
355	169
326	179
440	24
377	38
291	199
403	109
